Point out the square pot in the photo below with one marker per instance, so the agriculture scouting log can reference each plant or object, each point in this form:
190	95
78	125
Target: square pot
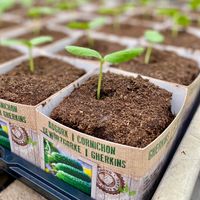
22	118
116	171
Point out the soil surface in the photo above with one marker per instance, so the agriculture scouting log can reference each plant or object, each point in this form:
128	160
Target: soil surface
132	111
104	47
147	17
44	32
51	75
195	23
125	30
7	24
7	54
164	65
183	39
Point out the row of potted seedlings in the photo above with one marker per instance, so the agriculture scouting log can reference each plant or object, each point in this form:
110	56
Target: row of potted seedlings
77	107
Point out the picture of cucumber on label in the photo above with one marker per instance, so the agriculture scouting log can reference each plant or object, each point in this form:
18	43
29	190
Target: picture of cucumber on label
4	140
70	170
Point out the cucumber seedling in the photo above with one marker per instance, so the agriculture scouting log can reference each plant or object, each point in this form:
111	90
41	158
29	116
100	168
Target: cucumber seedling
194	5
5	5
87	27
115	12
145	2
179	20
26	3
36	13
113	58
30	44
152	37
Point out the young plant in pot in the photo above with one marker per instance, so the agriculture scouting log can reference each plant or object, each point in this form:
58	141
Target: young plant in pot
114	58
4	6
35	78
30	44
177	34
26	3
37	13
87	27
161	64
115	12
106	99
194	5
179	20
152	37
68	5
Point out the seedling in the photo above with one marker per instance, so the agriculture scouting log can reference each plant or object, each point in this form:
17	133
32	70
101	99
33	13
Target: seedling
29	44
26	3
5	5
152	37
114	58
115	12
87	27
36	13
179	20
145	2
67	5
194	5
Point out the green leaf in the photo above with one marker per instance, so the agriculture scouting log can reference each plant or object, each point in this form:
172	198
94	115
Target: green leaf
115	10
145	2
194	4
83	52
153	36
67	5
78	25
40	11
26	3
13	42
123	56
110	11
5	5
169	12
182	20
96	23
40	40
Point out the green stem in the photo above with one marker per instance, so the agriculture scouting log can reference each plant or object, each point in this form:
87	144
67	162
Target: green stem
174	31
37	28
148	55
116	23
90	40
31	62
100	79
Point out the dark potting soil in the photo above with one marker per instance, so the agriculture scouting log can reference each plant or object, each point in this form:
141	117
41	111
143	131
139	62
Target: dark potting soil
104	47
195	23
164	65
44	32
7	24
7	54
147	17
183	39
131	111
51	75
124	30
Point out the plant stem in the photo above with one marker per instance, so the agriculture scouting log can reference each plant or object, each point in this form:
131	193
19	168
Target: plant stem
31	62
116	23
90	40
37	28
174	31
148	54
100	79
